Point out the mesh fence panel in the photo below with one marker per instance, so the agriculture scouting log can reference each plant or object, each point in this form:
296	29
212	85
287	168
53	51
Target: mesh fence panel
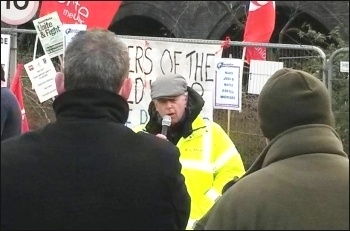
338	86
242	126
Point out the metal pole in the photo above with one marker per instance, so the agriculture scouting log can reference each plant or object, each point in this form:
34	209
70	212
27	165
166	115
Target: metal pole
13	56
15	30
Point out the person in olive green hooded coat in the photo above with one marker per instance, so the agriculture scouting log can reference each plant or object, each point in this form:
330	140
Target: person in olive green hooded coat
301	178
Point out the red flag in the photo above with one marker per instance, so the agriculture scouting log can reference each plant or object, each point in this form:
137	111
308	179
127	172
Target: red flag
16	88
259	27
91	13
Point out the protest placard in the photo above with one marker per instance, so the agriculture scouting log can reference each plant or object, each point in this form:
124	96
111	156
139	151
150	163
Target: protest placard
69	31
150	59
41	73
228	84
49	30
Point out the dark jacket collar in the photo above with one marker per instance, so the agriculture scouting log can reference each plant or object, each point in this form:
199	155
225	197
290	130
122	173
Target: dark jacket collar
194	106
302	140
91	104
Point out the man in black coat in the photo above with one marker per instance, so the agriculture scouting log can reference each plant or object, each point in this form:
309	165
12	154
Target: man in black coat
87	170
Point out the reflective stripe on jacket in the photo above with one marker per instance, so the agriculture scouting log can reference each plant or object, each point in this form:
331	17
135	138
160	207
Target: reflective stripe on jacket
209	160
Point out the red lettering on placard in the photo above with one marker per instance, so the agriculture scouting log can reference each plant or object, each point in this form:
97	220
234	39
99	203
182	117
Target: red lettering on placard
90	13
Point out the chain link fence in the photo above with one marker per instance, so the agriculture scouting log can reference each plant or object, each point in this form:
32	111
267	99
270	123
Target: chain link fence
244	127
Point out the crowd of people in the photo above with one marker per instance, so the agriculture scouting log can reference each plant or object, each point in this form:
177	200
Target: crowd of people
88	171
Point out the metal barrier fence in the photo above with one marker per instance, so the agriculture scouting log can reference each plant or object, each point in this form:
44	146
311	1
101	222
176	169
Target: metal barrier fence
242	127
338	86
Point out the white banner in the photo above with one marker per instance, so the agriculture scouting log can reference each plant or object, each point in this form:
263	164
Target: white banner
228	84
49	30
5	54
41	73
150	59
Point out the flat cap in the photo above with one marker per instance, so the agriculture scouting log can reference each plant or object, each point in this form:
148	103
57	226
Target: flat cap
168	86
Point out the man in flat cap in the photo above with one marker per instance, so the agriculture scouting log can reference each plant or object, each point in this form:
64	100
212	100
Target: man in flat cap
208	156
300	181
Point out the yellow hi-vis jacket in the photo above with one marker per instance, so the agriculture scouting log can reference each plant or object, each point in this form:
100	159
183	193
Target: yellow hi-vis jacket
209	160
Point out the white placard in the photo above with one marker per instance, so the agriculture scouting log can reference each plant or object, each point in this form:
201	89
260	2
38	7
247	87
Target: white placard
49	30
69	31
18	12
150	59
41	73
228	84
259	72
5	54
344	66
